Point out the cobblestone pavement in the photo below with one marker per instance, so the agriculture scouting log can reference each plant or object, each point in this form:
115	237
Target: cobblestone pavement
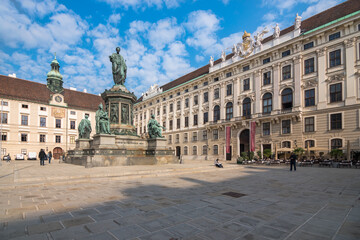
178	202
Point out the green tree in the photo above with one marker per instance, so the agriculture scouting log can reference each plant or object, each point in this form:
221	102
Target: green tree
335	153
299	151
267	153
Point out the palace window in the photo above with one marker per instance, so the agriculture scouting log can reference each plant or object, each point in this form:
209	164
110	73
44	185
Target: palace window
24	137
4	118
186	102
335	121
247	107
186	90
216	113
228	89
216	93
24	120
25	106
286	144
170	139
4	103
171	107
185	150
206	83
267	78
334	36
171	125
336	143
335	58
72	139
42	108
246	68
216	79
267	103
58	139
186	121
72	124
195	120
286	72
194	136
287	98
229	110
266	129
196	100
58	123
246	84
309	66
228	74
164	109
336	92
206	117
216	150
215	134
308	45
309	124
266	60
195	87
286	126
178	106
178	94
42	138
194	150
178	123
204	135
206	97
42	122
4	136
186	137
309	143
72	113
177	138
310	97
285	53
204	150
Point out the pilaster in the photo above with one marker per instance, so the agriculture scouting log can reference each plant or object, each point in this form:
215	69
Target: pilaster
322	89
350	81
297	81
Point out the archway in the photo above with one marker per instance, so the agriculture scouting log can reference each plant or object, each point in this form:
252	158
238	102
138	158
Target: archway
57	152
178	152
244	138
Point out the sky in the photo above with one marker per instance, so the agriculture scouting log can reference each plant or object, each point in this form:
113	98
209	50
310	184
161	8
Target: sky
160	40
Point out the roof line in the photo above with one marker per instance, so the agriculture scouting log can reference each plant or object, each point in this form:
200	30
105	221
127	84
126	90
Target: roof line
332	22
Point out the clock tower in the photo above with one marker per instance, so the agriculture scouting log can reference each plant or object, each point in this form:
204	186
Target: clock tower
54	78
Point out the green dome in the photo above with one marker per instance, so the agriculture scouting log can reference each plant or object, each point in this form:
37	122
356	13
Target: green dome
54	74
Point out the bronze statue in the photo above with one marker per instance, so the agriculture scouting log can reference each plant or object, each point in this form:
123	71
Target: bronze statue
119	68
84	128
102	121
154	128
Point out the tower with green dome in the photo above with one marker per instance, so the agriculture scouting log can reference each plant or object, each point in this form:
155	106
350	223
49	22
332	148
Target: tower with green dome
54	78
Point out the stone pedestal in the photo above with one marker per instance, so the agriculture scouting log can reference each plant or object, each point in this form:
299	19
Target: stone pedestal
157	144
103	141
82	143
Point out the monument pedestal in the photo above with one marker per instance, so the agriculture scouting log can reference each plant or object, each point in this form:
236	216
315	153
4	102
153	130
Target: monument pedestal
82	143
103	141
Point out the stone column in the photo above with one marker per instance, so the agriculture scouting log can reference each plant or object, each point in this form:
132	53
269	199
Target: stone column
276	80
322	90
200	112
257	87
211	99
350	81
222	100
297	81
236	96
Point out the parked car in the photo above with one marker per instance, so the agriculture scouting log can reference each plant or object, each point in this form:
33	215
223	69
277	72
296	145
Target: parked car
32	156
19	157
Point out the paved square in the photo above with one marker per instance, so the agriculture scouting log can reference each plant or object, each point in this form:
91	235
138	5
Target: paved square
63	201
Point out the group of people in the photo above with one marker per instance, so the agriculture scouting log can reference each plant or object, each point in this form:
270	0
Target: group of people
43	156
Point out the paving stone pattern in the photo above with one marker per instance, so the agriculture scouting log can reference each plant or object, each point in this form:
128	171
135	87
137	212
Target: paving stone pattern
271	203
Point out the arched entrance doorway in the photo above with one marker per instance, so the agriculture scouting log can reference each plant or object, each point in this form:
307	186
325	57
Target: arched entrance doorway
178	152
244	141
57	152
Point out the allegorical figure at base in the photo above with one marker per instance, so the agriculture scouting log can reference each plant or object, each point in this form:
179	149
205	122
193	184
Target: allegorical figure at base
154	128
84	128
102	121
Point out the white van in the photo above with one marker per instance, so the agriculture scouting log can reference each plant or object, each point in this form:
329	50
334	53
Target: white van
32	156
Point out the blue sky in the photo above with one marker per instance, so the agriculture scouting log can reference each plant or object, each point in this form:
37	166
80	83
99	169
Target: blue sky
161	40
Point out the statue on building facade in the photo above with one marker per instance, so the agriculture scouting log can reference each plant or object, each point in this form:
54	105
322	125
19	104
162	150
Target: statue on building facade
154	128
102	121
119	68
223	56
211	62
297	22
276	31
84	128
259	37
247	46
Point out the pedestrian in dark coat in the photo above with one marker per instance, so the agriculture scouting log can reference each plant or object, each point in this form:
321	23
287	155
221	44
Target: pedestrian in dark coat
42	157
293	158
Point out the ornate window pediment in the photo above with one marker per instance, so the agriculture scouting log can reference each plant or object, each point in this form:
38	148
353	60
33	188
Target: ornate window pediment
336	78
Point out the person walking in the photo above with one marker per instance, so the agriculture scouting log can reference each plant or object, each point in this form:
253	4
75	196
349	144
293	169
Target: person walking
42	156
8	158
49	156
293	158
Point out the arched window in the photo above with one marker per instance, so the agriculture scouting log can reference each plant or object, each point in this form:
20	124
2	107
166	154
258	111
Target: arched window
246	107
287	98
310	143
286	144
229	111
185	150
336	143
194	150
216	113
204	150
267	103
216	150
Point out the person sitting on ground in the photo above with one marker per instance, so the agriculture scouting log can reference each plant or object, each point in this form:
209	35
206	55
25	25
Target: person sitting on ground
218	164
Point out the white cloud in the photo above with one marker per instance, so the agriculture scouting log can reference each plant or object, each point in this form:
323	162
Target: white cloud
114	18
225	1
142	5
199	58
319	6
40	8
203	25
164	32
138	27
269	17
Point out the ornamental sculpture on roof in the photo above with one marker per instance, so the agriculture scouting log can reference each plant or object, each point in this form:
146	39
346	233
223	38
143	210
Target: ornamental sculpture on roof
259	37
297	21
153	90
246	47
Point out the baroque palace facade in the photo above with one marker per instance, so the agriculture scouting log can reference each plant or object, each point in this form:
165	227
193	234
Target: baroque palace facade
299	87
35	116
